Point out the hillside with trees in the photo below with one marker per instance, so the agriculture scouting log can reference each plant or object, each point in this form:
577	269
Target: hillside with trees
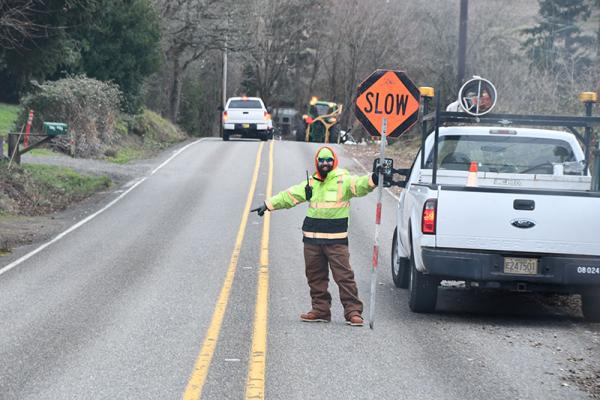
168	55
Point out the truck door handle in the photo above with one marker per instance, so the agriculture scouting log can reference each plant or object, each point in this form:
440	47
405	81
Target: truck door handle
527	205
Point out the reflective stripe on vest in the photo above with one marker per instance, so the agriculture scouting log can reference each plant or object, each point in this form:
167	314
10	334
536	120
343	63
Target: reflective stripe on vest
291	196
328	204
353	185
340	193
320	235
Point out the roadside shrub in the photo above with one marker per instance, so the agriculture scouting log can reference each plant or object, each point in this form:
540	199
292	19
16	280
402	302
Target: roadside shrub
155	130
89	106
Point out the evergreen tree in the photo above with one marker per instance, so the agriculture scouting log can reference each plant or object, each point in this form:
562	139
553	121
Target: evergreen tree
249	82
595	7
46	47
122	46
110	40
557	41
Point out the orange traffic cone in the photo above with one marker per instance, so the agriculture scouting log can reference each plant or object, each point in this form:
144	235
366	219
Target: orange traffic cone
472	177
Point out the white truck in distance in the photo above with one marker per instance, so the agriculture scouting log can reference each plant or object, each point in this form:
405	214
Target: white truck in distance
248	118
530	222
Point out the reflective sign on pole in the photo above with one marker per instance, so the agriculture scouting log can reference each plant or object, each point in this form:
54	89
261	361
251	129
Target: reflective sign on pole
390	95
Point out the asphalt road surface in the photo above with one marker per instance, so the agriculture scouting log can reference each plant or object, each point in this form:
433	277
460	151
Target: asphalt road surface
174	291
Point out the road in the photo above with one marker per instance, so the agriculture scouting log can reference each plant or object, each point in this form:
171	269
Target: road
174	291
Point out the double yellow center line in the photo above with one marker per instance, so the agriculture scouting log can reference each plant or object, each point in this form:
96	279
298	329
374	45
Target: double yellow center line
255	383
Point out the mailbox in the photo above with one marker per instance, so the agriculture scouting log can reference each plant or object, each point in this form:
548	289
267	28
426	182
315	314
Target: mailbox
55	128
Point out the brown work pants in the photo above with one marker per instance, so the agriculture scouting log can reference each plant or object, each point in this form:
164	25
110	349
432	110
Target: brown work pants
318	259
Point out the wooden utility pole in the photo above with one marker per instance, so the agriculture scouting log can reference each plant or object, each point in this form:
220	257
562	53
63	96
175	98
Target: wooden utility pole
462	41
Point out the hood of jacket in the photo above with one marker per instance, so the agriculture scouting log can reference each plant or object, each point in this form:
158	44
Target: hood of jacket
335	161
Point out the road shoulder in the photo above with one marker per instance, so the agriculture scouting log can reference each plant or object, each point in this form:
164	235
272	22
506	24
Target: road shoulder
20	234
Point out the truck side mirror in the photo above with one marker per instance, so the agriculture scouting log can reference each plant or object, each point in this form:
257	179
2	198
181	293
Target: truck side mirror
405	172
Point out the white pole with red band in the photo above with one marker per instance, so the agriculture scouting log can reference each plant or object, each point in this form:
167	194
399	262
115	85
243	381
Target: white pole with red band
377	225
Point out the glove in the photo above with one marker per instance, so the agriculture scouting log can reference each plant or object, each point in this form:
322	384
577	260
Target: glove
375	177
260	210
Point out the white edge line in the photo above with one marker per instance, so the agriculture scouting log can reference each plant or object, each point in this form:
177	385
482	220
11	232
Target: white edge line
386	189
175	155
94	215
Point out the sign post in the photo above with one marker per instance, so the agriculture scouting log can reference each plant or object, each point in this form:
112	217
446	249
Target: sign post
387	104
377	225
28	129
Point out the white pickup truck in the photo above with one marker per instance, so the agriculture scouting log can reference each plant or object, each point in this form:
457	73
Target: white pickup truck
248	118
529	223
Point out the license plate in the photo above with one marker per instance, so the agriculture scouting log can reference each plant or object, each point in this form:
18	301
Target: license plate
520	266
245	125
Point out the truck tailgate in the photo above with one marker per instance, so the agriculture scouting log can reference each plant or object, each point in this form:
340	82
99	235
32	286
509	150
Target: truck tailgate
250	115
496	219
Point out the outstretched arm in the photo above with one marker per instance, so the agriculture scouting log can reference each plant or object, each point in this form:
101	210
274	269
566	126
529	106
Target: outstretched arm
288	198
358	186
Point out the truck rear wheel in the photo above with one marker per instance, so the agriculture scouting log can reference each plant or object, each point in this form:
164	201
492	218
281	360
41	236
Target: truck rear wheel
400	265
423	289
590	306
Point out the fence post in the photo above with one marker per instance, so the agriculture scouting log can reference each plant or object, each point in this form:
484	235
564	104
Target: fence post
13	147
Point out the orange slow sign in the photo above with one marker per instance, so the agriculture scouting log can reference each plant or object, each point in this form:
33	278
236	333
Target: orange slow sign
390	95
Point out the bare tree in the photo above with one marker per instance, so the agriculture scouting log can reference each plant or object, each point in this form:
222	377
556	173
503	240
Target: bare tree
281	42
16	25
193	28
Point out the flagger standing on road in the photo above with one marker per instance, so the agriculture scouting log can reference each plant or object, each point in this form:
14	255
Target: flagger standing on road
325	231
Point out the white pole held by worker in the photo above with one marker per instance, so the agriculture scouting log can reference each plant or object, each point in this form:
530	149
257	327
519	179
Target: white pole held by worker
377	224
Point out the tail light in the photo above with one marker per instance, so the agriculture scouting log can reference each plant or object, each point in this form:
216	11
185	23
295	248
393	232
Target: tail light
267	116
225	116
429	217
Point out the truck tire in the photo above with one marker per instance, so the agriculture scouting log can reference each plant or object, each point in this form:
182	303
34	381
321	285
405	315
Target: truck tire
264	137
400	265
423	289
590	307
225	136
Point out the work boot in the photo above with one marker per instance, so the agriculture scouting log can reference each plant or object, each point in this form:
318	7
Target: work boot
312	316
355	320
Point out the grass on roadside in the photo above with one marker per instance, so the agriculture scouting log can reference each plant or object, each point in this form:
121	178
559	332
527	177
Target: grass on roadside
66	180
8	116
42	152
33	189
127	154
39	152
143	135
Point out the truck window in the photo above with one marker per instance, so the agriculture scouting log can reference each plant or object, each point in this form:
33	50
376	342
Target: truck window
319	109
254	104
510	154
